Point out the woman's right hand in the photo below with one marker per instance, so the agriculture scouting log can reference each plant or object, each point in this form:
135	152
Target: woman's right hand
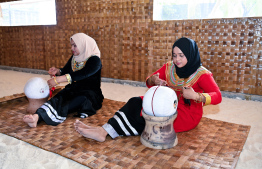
51	83
157	81
53	71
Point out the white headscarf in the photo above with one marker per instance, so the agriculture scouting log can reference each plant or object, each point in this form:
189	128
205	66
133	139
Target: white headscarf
87	47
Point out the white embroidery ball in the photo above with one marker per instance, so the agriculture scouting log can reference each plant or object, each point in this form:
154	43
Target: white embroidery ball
160	101
36	88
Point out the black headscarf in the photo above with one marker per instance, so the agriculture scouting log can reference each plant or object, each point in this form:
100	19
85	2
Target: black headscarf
190	50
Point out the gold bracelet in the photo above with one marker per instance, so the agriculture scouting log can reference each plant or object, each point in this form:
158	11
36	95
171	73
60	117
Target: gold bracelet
69	80
150	80
200	98
55	80
200	95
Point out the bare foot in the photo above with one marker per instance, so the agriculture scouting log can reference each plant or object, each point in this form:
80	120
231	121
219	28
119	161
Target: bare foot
82	125
96	133
31	120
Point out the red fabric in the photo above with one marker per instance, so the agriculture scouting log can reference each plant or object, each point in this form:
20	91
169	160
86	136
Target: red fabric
51	90
188	117
142	107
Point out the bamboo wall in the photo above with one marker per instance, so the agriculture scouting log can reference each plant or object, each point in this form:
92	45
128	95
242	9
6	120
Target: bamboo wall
133	46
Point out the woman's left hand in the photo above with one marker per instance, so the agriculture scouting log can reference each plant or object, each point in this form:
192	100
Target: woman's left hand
51	83
189	93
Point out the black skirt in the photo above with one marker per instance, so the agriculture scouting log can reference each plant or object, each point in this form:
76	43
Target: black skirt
55	110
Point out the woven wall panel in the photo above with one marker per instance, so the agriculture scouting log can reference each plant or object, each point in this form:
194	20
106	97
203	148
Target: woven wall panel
133	46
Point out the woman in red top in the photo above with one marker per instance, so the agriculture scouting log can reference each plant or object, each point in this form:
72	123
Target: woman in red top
190	81
193	84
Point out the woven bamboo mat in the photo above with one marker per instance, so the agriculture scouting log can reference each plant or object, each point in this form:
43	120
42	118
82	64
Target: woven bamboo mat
212	144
